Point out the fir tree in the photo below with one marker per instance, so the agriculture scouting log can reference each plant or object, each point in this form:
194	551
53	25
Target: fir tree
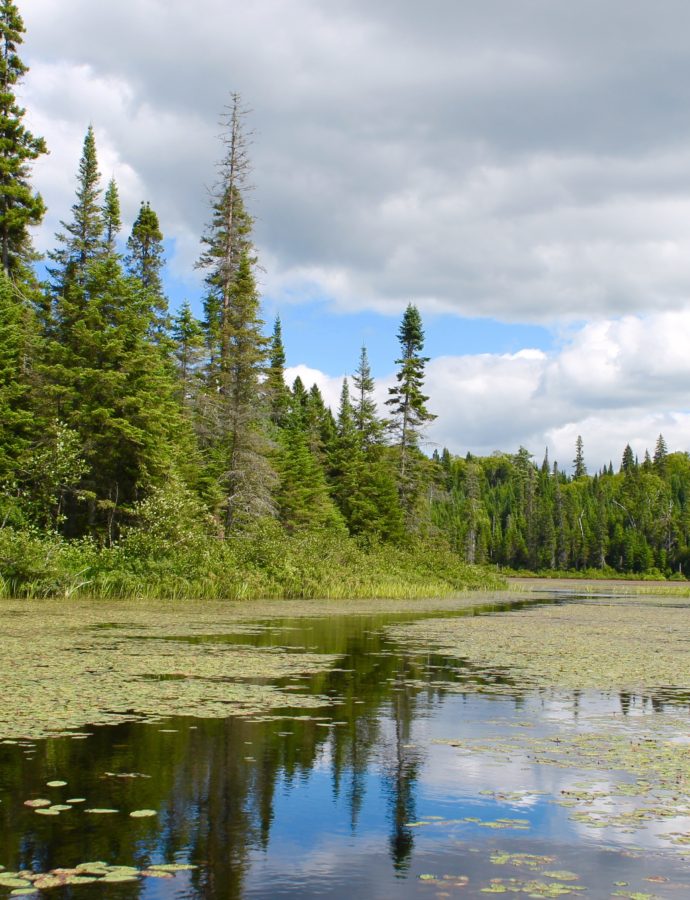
113	386
18	403
20	207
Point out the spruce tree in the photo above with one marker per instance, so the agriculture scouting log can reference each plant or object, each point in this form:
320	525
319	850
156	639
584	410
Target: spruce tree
145	255
238	351
277	391
18	403
660	454
112	218
579	467
628	461
144	260
366	421
408	405
20	207
188	351
81	239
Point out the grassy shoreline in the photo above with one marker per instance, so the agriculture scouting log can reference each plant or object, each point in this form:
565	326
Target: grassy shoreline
266	564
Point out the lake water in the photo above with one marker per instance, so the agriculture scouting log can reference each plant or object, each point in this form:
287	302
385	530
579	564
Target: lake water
358	798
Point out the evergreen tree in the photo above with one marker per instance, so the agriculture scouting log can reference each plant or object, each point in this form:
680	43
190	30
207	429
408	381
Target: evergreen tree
408	405
20	207
660	454
366	421
112	218
145	255
628	460
82	239
238	351
114	387
188	350
276	389
579	467
144	260
18	406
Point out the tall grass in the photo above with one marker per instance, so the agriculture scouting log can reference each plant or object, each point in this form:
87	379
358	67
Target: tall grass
266	563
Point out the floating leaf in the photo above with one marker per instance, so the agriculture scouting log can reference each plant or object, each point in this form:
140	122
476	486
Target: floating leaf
142	813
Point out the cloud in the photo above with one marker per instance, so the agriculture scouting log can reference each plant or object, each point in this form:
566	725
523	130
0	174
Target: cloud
526	164
612	382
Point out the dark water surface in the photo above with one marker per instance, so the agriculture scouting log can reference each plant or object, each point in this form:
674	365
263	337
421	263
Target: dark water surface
351	800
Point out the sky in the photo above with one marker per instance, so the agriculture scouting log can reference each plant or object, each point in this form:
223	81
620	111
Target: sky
518	170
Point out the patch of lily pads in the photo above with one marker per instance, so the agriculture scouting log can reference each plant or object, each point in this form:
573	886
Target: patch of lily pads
25	882
69	672
601	646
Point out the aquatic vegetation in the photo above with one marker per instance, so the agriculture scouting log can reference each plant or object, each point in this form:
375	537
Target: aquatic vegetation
103	663
644	761
27	883
604	646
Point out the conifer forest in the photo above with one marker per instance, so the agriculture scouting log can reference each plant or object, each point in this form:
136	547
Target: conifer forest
146	449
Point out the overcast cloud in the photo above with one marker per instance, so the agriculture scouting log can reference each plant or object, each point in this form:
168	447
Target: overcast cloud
524	161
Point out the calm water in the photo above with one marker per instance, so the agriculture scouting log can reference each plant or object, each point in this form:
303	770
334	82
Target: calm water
329	804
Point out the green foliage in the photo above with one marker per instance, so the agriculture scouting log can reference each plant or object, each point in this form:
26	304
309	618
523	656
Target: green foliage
409	414
82	238
20	207
523	517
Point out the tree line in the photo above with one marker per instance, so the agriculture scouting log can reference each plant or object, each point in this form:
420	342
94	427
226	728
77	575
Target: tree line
508	510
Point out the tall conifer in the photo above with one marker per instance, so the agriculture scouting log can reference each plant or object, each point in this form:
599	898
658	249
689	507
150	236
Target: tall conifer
238	349
408	404
82	238
20	207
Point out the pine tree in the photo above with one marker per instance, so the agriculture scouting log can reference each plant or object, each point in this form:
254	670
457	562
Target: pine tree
408	404
112	218
20	207
82	239
238	351
579	467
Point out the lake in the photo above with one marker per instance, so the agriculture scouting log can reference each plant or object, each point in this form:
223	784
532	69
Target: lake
307	750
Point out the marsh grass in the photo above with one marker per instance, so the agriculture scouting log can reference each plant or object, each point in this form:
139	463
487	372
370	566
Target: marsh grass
266	563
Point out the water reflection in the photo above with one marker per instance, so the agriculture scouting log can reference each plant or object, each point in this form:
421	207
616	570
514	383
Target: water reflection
305	804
